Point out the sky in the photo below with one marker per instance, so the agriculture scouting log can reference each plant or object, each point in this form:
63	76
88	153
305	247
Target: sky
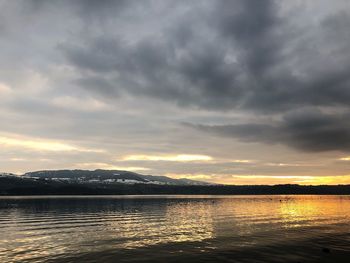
233	92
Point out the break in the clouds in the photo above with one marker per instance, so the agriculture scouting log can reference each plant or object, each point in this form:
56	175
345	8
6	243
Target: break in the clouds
262	81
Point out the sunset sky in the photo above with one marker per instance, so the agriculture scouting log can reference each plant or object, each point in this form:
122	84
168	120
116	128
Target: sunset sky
234	92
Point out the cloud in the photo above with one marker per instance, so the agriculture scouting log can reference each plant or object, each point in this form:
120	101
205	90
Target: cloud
241	55
73	103
201	177
242	161
4	89
122	76
169	158
221	55
184	64
108	166
252	179
312	131
42	145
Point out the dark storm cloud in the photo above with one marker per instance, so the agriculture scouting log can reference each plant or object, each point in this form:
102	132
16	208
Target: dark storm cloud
153	69
182	65
309	131
85	8
229	55
245	56
241	61
253	26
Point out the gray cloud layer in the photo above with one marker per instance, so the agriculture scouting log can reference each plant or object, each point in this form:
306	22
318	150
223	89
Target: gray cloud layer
308	131
127	72
234	55
238	54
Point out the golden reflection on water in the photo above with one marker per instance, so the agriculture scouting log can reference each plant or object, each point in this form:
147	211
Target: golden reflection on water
179	223
40	229
314	210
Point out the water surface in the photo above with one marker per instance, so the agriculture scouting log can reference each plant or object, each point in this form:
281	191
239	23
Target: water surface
175	229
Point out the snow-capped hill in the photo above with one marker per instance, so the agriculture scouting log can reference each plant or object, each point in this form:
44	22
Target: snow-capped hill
107	177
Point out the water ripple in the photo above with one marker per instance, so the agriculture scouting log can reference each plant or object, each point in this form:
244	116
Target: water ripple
72	229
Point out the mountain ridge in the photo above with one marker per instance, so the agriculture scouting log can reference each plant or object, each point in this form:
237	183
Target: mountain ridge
119	182
107	176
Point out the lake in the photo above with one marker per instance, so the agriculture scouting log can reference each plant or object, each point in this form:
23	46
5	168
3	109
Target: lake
175	229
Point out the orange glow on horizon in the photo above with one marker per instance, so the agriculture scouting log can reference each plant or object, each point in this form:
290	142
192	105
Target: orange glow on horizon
265	179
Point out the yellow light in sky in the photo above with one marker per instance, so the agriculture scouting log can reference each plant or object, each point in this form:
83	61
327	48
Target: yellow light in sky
266	179
4	89
107	166
242	161
40	145
171	158
202	177
345	158
293	179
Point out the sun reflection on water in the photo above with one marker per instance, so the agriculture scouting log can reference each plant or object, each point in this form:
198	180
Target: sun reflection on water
35	230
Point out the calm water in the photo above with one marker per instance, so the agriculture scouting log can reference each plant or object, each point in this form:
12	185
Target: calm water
175	229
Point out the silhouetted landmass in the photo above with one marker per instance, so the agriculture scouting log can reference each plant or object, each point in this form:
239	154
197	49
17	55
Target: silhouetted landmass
14	185
107	177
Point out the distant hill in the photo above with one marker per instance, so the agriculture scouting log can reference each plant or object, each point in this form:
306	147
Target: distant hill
105	182
108	177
